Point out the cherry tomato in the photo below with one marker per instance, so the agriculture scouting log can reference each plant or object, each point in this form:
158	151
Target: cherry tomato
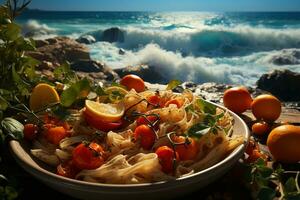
55	121
177	102
251	147
133	82
186	151
166	158
142	120
30	131
254	156
88	156
260	128
155	99
56	134
145	135
67	169
102	125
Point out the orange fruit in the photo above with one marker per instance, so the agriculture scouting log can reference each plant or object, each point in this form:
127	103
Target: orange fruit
133	82
283	143
260	128
237	99
266	107
42	95
104	111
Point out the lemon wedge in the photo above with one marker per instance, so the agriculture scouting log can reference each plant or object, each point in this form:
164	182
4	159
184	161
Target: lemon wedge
105	111
42	95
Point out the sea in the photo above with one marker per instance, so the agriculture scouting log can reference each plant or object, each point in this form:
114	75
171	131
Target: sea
231	48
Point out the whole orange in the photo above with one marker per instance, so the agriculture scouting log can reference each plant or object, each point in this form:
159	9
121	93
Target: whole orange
237	99
266	107
132	81
283	143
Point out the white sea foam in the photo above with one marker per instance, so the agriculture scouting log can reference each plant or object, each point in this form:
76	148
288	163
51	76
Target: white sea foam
34	29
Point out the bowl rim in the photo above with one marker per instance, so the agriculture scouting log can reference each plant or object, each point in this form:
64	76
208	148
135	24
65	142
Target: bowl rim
14	145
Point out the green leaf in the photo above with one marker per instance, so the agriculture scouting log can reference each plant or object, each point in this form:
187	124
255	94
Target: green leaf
198	130
173	84
290	185
115	96
11	193
61	112
3	103
118	85
13	128
266	193
100	91
12	31
265	172
206	107
2	137
70	95
20	84
64	74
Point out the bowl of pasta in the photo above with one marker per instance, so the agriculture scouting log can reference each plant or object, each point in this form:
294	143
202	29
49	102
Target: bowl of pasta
127	143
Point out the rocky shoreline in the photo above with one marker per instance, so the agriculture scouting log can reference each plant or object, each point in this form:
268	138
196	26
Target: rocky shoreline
55	51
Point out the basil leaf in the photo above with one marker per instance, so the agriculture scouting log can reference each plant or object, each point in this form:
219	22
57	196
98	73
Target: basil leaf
206	107
3	103
266	193
100	91
290	185
13	128
70	95
173	84
198	130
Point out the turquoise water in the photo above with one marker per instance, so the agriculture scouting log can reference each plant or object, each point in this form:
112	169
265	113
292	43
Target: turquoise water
191	46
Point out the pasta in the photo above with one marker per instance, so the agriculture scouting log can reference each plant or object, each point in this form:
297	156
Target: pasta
176	136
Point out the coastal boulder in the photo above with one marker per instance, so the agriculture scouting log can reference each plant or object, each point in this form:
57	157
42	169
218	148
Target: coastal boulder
285	57
147	73
113	35
86	39
284	84
60	49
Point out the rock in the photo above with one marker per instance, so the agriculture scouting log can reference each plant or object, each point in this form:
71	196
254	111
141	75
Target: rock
40	43
285	57
86	39
113	35
86	66
122	51
147	73
284	84
59	50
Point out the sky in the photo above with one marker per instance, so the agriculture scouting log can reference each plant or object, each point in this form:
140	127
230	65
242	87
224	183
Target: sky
167	5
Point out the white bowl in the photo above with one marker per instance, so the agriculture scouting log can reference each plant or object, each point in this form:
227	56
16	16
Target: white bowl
161	190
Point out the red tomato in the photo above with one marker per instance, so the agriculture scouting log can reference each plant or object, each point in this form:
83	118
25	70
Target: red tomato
260	128
30	131
186	151
67	169
102	125
145	135
88	156
177	102
55	121
251	147
254	156
155	99
167	158
56	134
142	120
133	82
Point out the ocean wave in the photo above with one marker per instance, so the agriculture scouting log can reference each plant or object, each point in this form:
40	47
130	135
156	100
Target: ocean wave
172	65
211	41
32	28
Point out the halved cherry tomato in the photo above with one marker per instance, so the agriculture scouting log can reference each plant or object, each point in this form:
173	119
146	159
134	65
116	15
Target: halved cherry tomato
88	156
166	158
30	131
56	134
177	102
256	154
145	135
155	99
55	121
133	82
251	147
102	125
186	151
142	120
67	169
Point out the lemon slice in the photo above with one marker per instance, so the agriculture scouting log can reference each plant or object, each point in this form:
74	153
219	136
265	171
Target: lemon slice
105	111
115	94
43	95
